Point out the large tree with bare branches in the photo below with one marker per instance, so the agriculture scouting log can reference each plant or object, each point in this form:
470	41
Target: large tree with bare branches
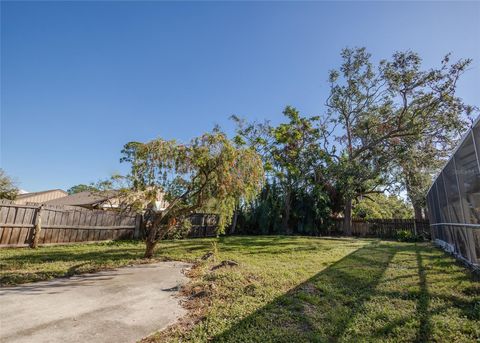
374	111
434	119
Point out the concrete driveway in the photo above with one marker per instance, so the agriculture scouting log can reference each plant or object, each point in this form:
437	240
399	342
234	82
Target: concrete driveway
122	305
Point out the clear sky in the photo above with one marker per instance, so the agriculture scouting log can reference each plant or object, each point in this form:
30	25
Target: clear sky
80	79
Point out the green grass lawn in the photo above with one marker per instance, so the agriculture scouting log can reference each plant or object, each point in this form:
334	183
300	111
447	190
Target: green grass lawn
293	289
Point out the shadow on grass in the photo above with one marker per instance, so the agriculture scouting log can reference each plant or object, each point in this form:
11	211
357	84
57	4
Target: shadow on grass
424	332
321	308
272	245
20	266
99	257
332	305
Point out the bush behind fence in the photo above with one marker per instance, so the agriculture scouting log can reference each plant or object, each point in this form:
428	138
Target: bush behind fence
67	224
382	228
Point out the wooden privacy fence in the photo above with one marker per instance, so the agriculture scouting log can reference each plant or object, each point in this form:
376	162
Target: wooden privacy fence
203	225
32	224
383	228
36	224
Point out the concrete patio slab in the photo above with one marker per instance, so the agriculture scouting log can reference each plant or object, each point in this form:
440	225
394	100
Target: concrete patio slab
122	305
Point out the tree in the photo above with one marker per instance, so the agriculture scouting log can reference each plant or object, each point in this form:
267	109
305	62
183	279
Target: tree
82	188
381	206
427	98
291	153
371	111
416	162
263	215
209	171
8	190
359	118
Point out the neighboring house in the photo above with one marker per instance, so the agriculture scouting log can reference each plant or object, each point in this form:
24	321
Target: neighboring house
105	201
40	197
88	199
161	203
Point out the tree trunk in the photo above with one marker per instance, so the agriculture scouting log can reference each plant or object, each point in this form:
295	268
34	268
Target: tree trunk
418	212
234	221
151	240
286	215
416	203
37	228
347	220
150	249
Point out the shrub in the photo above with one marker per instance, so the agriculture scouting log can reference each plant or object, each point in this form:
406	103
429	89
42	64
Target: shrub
407	236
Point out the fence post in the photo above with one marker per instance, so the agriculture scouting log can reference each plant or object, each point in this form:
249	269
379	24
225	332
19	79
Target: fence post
37	228
138	226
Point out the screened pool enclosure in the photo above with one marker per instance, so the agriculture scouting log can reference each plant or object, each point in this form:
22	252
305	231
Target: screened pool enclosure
454	201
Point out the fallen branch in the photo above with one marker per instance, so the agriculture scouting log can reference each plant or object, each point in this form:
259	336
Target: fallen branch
207	255
224	264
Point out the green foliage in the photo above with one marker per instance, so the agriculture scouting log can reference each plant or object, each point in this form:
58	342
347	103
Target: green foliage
82	188
360	119
436	117
182	228
209	171
350	290
215	250
379	116
416	160
8	190
381	206
295	164
407	236
310	212
386	126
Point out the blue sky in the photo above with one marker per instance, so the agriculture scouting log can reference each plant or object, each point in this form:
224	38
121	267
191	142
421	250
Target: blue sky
80	79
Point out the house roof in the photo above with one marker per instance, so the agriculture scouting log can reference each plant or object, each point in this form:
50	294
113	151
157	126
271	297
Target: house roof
82	199
32	194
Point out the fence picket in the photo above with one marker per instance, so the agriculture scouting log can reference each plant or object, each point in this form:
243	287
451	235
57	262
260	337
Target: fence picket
383	228
61	224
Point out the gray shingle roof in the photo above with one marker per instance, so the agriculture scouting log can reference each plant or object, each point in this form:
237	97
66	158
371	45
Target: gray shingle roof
82	199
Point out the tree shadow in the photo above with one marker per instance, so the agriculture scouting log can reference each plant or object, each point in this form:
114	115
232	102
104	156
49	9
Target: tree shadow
345	301
272	245
425	329
321	308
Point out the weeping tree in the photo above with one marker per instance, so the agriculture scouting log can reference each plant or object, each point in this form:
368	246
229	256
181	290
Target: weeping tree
209	172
